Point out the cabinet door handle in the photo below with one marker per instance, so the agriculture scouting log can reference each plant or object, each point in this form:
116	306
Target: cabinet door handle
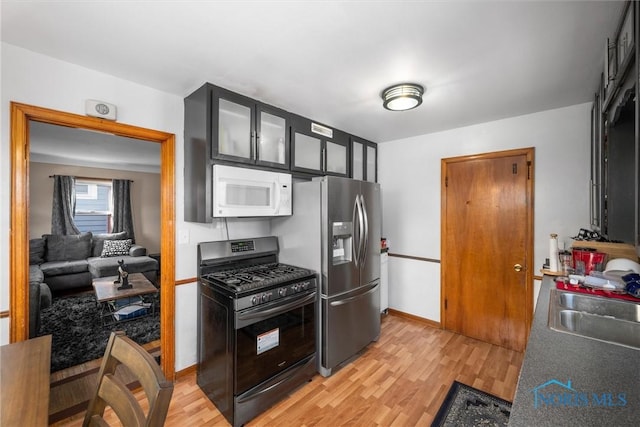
254	145
517	267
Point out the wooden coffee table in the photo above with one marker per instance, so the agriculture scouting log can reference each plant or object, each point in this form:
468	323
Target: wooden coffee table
110	299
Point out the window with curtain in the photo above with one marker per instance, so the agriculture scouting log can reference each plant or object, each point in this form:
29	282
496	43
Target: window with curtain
94	206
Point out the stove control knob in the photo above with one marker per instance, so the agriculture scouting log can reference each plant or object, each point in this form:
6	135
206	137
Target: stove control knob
305	285
282	292
255	300
296	287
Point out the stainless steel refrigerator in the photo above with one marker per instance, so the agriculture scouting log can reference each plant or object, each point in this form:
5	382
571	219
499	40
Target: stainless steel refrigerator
335	230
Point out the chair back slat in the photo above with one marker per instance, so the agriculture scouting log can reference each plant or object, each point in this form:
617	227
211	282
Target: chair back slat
116	394
111	391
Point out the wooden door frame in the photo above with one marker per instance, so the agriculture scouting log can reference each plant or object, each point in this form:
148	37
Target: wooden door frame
21	115
529	153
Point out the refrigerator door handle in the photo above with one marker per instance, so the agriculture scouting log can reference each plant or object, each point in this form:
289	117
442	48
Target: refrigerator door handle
361	230
365	244
355	247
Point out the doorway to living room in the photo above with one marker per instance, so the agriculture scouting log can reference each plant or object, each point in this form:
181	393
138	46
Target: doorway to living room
116	193
21	117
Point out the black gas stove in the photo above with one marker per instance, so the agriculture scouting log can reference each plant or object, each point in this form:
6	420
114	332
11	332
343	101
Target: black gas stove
257	324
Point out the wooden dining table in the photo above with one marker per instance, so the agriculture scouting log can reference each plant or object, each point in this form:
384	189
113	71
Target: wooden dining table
24	382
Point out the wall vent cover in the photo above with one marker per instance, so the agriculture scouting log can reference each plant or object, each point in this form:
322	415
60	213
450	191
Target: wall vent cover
321	130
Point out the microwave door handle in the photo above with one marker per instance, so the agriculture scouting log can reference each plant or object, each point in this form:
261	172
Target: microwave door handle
276	187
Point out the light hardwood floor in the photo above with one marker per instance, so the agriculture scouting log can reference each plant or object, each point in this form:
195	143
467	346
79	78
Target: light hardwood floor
399	381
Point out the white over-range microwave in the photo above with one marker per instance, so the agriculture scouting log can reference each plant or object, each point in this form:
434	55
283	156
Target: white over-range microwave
244	192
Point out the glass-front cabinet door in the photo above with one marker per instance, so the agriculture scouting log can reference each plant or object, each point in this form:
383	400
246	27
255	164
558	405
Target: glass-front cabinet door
318	149
247	131
307	152
372	161
234	130
357	160
272	145
364	160
336	162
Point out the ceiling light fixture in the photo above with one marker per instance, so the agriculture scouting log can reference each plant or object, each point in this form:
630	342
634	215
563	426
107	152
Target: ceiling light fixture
401	97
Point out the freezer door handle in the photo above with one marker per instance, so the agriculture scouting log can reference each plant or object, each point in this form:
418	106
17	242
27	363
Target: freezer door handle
355	297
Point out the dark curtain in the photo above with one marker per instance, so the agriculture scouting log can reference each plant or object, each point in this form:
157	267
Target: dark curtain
122	217
64	205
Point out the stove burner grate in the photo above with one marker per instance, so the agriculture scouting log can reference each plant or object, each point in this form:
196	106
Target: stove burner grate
257	276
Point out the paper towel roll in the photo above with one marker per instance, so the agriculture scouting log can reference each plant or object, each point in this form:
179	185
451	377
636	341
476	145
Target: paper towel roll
553	253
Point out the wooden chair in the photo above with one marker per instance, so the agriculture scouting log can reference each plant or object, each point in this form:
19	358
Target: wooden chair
111	391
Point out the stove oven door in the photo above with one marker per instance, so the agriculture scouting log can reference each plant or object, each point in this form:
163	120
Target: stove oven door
272	337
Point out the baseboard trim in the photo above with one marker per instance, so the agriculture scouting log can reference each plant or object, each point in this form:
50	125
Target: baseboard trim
186	371
428	322
415	258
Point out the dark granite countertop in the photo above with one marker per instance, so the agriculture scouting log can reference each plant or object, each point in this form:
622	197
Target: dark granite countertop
567	380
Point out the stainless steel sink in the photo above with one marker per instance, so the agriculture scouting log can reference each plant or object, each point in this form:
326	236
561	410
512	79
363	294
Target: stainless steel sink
599	318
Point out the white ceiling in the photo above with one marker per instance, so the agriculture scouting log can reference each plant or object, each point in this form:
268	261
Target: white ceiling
79	147
330	60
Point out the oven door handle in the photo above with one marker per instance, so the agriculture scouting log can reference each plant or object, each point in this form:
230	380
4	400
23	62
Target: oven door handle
261	314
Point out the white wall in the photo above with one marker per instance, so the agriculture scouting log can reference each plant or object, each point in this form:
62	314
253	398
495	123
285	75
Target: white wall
409	174
409	171
35	79
145	196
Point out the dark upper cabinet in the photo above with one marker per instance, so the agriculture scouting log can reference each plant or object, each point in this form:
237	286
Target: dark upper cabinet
197	156
364	160
317	149
615	148
247	131
221	126
619	54
595	197
625	41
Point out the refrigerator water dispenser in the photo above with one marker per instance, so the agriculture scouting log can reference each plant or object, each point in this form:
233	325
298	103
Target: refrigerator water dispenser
342	235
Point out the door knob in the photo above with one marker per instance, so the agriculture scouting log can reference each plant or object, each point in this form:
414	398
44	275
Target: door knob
517	267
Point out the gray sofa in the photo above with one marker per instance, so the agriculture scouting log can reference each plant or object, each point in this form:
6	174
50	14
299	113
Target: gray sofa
71	262
39	298
60	264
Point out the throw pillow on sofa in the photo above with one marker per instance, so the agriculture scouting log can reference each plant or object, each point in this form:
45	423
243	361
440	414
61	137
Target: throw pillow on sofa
113	248
68	248
99	238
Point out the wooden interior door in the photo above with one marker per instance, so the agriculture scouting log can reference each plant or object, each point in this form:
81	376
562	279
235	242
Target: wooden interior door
487	246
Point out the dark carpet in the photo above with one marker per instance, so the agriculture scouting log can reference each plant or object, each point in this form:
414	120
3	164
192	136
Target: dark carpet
78	333
468	407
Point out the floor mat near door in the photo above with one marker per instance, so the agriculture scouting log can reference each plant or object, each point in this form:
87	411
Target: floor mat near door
468	407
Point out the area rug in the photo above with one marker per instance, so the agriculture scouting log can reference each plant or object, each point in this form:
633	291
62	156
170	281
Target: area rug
78	333
467	406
